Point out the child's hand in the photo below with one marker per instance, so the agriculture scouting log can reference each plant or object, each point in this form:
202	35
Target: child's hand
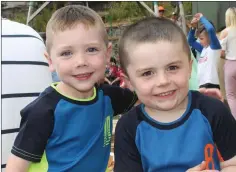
198	16
194	23
212	92
200	168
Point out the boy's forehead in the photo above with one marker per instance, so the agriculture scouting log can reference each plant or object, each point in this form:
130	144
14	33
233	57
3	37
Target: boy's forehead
80	32
160	51
154	47
80	26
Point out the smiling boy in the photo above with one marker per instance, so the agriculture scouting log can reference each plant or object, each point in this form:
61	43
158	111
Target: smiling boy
70	124
173	129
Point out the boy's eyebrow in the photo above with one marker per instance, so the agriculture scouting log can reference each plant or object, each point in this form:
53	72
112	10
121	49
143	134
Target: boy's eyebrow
63	47
144	69
66	47
93	43
151	68
175	62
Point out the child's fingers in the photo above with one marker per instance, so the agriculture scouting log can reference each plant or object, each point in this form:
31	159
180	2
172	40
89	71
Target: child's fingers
202	90
194	20
198	15
228	163
199	167
214	92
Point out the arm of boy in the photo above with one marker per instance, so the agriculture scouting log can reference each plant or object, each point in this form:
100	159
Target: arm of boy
127	157
224	127
122	100
214	42
16	164
35	128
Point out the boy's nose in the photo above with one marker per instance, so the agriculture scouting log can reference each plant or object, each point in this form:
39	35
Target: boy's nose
80	60
162	79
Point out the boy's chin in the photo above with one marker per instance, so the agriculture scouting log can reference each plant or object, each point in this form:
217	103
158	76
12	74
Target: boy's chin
85	87
166	106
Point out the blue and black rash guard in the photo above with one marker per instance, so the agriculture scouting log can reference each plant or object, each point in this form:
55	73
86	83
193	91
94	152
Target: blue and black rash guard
74	134
206	131
210	55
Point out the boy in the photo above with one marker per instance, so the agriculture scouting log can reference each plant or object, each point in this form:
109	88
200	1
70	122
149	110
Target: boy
71	121
173	129
210	50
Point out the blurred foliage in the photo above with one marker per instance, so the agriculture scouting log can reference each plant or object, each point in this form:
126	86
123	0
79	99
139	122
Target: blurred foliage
39	23
115	11
126	10
187	7
21	17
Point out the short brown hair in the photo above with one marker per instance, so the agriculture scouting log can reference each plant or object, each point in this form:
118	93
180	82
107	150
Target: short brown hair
150	29
68	17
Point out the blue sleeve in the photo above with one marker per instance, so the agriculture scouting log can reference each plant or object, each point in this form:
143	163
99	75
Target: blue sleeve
214	42
192	41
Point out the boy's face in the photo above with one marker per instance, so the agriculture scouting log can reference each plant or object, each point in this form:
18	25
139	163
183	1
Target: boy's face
203	38
159	74
79	56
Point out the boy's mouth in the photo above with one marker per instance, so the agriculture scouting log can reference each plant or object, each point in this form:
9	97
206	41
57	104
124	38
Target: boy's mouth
83	76
166	94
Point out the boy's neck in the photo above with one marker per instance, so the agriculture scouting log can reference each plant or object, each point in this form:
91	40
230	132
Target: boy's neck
168	116
73	93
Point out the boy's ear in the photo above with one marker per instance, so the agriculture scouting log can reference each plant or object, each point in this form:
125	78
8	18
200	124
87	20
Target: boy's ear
108	53
51	68
127	81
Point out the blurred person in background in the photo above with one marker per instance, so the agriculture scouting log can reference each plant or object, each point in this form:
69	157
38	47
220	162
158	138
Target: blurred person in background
228	43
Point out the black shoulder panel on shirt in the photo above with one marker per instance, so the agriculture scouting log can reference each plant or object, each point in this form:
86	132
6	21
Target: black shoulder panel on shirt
36	126
127	156
48	99
209	106
132	118
223	124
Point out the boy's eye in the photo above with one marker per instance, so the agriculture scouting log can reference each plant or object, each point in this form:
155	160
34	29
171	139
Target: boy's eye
171	68
92	49
66	53
148	73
